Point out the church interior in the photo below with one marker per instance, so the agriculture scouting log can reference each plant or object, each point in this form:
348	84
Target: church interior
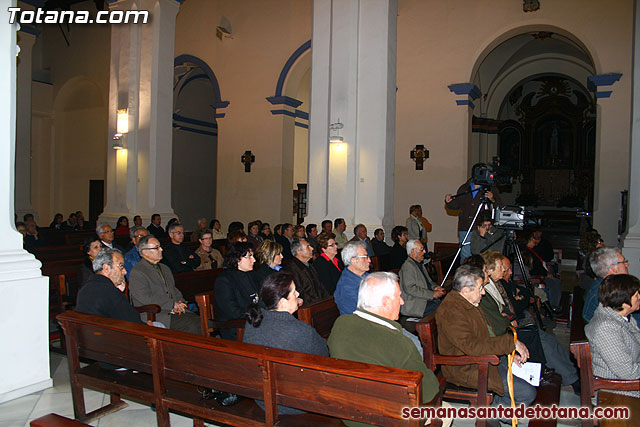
297	111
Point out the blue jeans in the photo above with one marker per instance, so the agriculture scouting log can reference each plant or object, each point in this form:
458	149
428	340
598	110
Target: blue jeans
466	249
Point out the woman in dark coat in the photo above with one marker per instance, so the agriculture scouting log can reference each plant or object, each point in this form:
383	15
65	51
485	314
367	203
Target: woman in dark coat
90	247
270	256
328	265
235	288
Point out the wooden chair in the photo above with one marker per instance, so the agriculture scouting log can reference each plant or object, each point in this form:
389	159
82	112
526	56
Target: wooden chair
321	315
428	333
208	315
444	253
55	420
150	309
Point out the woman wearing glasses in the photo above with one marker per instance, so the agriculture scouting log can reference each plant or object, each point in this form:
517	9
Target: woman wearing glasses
235	288
328	265
210	258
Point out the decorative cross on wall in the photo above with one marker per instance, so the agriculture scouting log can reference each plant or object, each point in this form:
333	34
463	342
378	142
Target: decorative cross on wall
419	155
247	158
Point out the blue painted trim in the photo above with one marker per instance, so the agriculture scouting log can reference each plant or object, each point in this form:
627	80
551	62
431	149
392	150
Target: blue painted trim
192	78
287	66
285	112
465	89
203	65
29	30
465	102
189	120
604	79
220	115
279	100
302	114
200	131
223	104
603	94
301	125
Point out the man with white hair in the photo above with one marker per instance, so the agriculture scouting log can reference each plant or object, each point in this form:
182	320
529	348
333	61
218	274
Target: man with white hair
421	296
604	262
355	258
372	335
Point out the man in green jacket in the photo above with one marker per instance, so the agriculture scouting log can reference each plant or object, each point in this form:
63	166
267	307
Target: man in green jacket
372	335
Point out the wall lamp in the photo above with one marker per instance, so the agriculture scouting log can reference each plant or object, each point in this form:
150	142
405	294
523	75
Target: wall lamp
336	127
122	127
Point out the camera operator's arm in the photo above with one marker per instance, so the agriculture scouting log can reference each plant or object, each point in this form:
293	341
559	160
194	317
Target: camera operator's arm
456	203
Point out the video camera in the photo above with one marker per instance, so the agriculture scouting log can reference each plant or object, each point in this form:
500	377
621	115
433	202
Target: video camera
489	175
514	218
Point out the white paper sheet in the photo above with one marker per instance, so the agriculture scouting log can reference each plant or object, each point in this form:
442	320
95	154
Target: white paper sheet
530	372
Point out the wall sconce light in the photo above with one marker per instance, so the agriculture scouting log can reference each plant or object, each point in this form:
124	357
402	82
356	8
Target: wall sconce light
117	142
419	155
336	127
122	121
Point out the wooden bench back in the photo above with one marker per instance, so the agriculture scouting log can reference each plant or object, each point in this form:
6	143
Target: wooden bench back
196	282
58	253
350	390
444	252
321	315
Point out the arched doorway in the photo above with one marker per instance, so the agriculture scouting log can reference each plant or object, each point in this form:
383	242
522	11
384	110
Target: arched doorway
538	119
195	141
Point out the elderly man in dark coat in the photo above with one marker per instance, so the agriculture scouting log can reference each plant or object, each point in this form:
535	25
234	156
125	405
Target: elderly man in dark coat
463	330
307	281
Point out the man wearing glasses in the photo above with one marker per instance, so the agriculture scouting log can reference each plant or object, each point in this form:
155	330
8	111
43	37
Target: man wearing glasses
151	282
355	257
106	235
605	262
132	257
178	257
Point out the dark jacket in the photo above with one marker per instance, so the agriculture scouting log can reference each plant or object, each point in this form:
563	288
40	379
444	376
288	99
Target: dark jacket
398	256
286	246
328	273
468	205
157	232
380	248
179	258
307	281
261	273
99	296
234	291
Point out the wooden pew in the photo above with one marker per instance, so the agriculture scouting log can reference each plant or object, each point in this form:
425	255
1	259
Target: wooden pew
321	315
170	364
196	282
58	253
55	420
209	325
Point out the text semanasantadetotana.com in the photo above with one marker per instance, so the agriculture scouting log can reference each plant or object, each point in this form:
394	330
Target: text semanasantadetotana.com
501	412
41	16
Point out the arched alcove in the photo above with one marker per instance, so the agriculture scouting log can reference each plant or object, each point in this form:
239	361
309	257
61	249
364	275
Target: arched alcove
195	140
80	144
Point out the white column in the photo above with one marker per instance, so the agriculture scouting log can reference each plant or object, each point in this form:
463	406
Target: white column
139	177
353	82
24	359
23	129
631	240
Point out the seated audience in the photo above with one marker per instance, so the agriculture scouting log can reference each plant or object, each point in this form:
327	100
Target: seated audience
234	226
298	232
178	257
614	334
605	262
137	221
339	226
71	224
360	234
122	229
485	237
90	247
254	234
414	224
32	238
545	250
312	236
357	262
328	265
107	236
210	258
275	326
57	222
372	335
307	281
380	247
327	226
277	230
103	295
216	230
236	236
155	229
265	232
200	225
589	242
21	228
421	296
285	240
462	330
400	236
132	257
81	223
235	288
553	286
151	282
270	257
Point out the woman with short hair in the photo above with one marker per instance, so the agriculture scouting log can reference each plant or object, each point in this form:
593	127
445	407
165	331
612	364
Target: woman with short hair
270	257
90	248
210	258
328	265
613	333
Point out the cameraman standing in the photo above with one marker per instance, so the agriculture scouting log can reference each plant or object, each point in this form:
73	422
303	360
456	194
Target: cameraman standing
467	200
